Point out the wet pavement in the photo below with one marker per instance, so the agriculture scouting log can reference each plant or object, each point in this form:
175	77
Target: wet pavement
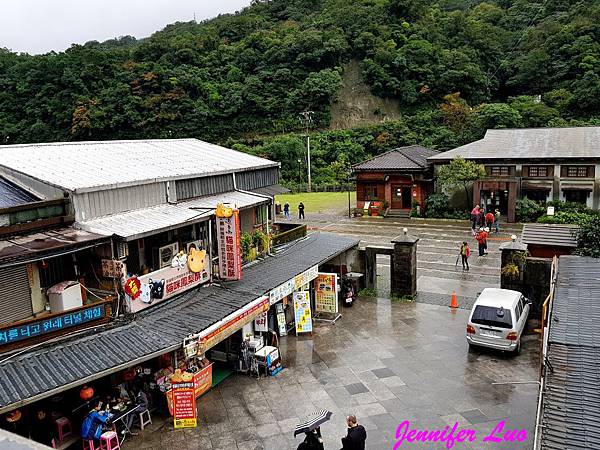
385	361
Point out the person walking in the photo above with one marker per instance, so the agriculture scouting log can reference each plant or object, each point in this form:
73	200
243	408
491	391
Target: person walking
497	221
301	211
474	217
312	440
489	219
286	211
356	437
465	252
481	240
481	218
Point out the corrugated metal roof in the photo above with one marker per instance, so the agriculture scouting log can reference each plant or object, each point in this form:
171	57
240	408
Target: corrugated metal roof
271	191
109	164
530	143
54	367
12	195
550	235
142	222
32	247
570	417
413	157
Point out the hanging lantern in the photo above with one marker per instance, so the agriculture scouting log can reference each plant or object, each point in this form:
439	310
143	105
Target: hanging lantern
86	393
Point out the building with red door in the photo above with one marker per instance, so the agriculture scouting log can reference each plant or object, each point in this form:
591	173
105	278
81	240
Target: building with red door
397	178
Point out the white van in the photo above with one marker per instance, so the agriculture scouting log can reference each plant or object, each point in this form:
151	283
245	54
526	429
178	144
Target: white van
498	319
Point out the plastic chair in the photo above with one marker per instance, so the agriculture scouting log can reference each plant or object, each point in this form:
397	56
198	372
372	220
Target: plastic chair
109	441
63	428
88	444
145	418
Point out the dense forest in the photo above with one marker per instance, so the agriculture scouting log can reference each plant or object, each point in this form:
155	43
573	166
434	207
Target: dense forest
455	67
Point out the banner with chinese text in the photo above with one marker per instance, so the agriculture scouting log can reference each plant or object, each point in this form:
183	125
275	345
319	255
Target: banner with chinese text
230	253
302	312
326	293
184	405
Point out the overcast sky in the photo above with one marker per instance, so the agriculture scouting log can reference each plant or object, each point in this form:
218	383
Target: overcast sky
39	26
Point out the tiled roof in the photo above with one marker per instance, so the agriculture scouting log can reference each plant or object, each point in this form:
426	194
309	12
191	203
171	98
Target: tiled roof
11	195
570	417
530	143
549	234
72	362
413	157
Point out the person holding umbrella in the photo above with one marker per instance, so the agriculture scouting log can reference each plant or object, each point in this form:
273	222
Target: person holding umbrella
312	441
310	426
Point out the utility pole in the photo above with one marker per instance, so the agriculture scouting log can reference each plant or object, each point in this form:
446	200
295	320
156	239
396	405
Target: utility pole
306	119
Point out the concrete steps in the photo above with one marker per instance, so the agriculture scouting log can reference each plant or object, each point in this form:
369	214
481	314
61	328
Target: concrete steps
398	213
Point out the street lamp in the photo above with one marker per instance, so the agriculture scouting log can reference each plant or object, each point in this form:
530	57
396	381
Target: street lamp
306	119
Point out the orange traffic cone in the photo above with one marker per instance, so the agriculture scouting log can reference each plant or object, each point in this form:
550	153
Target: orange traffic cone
453	301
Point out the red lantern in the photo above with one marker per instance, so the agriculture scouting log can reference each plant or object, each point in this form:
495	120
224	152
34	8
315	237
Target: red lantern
86	393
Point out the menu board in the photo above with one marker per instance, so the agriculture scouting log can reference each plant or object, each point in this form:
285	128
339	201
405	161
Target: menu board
326	293
184	405
302	312
230	253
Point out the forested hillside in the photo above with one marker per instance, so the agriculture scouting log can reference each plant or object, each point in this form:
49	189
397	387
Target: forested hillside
455	67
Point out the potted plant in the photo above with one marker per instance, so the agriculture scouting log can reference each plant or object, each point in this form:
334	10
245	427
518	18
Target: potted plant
246	245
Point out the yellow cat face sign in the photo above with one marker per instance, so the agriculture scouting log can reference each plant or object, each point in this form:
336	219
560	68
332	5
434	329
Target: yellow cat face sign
196	260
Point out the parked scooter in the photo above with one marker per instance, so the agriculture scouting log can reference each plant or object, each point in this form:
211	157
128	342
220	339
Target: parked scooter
347	292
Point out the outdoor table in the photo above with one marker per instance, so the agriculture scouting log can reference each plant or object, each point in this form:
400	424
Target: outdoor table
117	415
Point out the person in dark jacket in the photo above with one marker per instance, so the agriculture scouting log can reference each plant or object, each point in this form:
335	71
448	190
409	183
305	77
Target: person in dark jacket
41	429
301	211
356	437
312	441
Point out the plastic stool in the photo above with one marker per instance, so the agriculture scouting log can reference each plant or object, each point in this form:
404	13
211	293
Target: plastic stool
109	441
145	418
64	428
88	444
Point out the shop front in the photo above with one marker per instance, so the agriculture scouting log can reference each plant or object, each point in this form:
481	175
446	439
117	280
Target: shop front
495	194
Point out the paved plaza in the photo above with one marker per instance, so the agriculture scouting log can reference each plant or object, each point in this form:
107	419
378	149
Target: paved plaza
384	361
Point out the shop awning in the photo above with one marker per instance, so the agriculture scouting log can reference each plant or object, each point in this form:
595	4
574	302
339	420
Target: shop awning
272	190
46	244
56	367
577	187
535	187
137	224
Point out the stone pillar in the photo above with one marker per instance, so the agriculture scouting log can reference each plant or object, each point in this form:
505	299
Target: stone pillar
508	249
370	268
404	266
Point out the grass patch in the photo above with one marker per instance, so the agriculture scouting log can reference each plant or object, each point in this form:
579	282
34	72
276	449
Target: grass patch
318	202
402	298
367	292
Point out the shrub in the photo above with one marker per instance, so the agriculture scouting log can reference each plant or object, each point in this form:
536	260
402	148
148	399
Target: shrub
588	237
529	210
566	217
246	243
438	206
567	206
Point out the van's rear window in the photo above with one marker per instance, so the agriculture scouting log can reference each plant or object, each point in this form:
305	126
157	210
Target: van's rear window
491	316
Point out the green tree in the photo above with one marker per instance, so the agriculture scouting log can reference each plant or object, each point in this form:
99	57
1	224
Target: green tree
588	237
460	173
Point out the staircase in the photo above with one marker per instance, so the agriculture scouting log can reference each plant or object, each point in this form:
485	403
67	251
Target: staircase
398	213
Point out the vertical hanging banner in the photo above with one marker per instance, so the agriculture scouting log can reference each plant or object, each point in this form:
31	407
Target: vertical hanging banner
184	405
260	323
302	312
326	293
228	236
281	323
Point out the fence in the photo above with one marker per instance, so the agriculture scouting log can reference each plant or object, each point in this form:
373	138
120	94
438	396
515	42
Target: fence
287	233
325	187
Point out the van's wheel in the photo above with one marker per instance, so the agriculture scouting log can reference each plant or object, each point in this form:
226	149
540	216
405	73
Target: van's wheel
517	350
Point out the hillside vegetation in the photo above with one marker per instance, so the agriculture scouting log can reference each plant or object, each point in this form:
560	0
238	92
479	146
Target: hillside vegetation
453	68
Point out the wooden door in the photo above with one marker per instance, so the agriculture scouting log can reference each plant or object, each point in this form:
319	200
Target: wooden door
396	196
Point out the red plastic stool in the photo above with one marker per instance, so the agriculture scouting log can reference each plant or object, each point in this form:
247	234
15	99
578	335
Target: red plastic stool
88	444
63	428
109	441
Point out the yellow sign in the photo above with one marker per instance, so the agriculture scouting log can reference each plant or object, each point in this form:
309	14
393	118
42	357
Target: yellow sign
302	312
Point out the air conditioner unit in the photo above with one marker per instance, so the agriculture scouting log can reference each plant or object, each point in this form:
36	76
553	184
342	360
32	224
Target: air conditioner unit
164	255
198	244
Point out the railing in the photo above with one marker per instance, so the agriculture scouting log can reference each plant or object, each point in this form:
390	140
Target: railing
326	187
297	232
36	215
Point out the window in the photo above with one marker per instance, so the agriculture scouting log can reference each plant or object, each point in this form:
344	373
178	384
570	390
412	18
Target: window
371	192
261	214
491	316
499	171
577	171
538	171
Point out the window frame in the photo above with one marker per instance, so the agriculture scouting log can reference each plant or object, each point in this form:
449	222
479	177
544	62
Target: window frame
371	188
500	170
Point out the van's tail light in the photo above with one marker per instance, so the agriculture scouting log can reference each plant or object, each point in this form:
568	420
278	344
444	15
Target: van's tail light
512	336
470	329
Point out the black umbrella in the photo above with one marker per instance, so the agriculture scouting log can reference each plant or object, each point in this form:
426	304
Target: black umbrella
312	421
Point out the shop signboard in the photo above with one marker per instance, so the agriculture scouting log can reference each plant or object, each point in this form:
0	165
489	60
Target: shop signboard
112	268
58	322
184	405
232	323
230	253
302	312
260	323
282	291
306	277
203	380
281	322
165	283
326	300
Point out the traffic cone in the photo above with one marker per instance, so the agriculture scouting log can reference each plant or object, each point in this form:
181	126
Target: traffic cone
453	301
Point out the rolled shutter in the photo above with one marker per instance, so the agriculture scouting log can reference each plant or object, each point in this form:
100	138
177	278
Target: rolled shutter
15	294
